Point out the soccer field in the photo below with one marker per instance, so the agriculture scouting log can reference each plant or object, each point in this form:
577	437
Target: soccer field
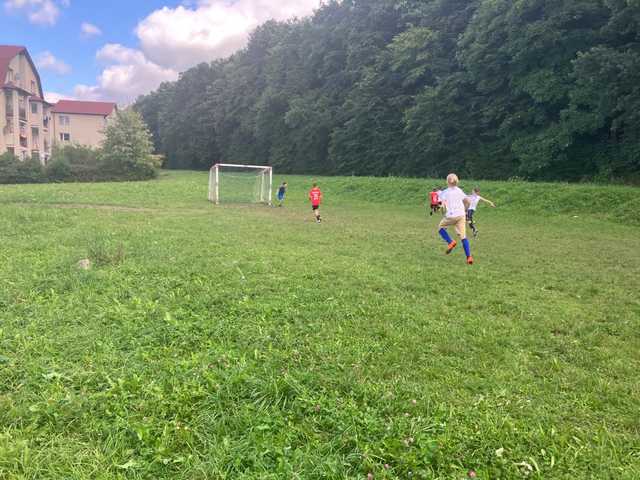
248	342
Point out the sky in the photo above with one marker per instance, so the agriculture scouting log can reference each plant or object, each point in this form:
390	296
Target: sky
115	50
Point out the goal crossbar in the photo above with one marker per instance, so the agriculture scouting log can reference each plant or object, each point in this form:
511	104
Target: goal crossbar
259	167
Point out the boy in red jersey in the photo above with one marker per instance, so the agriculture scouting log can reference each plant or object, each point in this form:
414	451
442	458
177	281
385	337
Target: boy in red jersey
315	196
435	201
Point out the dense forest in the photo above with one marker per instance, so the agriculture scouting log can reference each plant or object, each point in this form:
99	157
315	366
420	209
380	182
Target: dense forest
538	89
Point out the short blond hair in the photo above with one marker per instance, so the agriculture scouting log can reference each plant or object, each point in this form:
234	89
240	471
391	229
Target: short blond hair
452	179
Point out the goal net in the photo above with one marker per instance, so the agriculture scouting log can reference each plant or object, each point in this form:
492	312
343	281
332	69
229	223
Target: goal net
230	183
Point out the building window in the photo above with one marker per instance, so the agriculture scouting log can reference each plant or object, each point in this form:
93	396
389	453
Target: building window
64	120
65	137
35	155
10	76
22	108
11	151
35	133
33	87
8	94
34	108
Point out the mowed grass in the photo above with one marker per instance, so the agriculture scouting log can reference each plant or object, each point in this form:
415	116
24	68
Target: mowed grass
238	342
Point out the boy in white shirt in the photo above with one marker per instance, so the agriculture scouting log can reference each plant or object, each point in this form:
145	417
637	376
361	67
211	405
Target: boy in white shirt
455	203
474	200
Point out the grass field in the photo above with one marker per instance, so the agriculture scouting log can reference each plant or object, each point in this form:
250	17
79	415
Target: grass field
239	342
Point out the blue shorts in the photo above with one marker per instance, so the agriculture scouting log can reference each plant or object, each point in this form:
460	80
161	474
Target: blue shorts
280	197
470	215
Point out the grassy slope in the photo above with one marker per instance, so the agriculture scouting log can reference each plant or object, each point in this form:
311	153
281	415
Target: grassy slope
241	342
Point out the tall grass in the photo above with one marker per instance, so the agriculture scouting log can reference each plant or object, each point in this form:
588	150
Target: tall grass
240	342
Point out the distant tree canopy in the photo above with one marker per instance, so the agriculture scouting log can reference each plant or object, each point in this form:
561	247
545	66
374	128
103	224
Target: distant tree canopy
490	88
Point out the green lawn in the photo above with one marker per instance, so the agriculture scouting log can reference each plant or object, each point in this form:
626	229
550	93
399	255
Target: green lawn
239	342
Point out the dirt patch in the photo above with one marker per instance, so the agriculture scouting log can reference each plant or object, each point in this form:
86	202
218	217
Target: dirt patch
110	208
114	208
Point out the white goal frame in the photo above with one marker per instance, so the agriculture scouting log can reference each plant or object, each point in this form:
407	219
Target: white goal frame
214	181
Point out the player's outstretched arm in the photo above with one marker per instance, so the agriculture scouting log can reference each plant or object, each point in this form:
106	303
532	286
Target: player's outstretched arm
488	201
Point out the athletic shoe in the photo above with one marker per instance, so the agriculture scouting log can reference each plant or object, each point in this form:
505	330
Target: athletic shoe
469	260
452	245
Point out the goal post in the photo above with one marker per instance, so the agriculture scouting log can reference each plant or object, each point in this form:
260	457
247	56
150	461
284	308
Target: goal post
235	183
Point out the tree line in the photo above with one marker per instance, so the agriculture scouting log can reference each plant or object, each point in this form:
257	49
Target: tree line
535	89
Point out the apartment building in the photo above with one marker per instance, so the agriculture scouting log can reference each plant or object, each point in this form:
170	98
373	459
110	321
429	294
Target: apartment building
25	117
29	125
81	123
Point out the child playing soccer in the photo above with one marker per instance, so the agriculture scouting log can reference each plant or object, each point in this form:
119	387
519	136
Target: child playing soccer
315	196
455	201
474	200
435	201
282	191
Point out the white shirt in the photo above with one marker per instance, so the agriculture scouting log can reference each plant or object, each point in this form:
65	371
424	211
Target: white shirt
454	197
474	199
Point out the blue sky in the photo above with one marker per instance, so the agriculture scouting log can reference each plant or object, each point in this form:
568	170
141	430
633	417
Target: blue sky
115	50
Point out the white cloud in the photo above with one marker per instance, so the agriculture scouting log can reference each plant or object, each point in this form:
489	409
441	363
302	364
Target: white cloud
90	30
47	61
54	97
39	12
174	39
128	74
184	36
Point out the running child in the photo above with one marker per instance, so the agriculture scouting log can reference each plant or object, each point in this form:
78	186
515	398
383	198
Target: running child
455	202
282	191
435	201
474	200
315	196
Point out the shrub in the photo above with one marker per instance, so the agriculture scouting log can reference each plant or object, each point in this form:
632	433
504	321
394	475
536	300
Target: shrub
83	164
127	149
14	170
58	170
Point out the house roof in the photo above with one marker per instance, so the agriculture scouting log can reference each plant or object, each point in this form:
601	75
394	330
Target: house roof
8	53
84	108
40	100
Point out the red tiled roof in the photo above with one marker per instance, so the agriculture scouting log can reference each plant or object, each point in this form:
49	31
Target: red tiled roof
84	108
7	53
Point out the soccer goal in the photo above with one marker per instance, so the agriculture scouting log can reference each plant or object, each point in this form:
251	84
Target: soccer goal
229	183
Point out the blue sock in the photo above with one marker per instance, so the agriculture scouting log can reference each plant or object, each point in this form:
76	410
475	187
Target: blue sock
445	236
467	248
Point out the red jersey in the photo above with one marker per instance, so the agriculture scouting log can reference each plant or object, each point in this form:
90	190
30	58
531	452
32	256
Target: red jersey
315	195
434	198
